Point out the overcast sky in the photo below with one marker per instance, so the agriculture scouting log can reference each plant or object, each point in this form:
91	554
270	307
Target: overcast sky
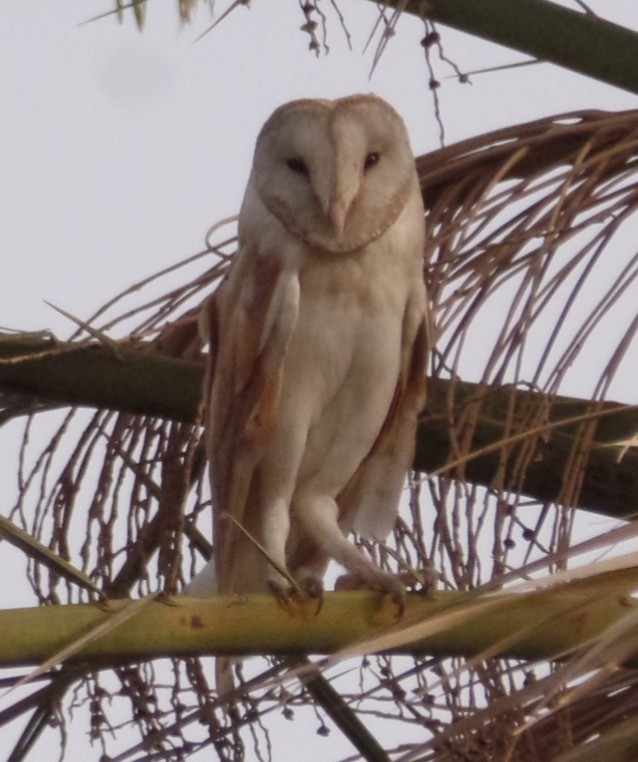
119	149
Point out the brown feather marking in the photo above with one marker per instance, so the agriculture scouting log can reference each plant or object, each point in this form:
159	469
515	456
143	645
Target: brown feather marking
244	394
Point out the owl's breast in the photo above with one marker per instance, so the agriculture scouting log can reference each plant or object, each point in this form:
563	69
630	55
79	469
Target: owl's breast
340	374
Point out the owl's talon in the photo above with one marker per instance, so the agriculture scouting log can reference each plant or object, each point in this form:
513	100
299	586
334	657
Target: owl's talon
312	586
282	592
394	589
309	588
386	584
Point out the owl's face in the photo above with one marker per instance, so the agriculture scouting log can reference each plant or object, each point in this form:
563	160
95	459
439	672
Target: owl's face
335	173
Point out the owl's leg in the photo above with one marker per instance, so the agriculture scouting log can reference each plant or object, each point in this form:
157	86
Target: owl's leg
275	528
275	531
318	514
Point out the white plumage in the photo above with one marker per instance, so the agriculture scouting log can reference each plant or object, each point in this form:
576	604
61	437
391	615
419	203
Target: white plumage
317	349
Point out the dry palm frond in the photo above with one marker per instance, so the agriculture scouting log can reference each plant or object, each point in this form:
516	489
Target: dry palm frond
533	272
532	267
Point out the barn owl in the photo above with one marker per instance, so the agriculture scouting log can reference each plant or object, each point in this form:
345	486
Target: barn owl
317	337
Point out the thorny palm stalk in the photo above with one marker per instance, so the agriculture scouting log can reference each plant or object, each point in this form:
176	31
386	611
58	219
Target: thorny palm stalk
532	274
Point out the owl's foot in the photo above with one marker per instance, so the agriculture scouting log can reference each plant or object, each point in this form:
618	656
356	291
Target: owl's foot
309	588
381	582
282	591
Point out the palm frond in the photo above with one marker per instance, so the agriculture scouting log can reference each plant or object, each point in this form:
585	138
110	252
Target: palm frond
547	31
532	268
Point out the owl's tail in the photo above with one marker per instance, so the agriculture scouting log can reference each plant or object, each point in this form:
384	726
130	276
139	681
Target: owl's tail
204	583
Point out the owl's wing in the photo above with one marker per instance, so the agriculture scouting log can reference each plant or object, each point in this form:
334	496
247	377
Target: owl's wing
248	321
368	504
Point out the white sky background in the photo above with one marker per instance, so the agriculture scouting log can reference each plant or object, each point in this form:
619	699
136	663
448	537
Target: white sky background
119	149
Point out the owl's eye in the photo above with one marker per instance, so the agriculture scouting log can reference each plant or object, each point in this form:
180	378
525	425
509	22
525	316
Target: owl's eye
298	166
371	159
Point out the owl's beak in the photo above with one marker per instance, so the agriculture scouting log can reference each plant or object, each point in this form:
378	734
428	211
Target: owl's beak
337	213
341	190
